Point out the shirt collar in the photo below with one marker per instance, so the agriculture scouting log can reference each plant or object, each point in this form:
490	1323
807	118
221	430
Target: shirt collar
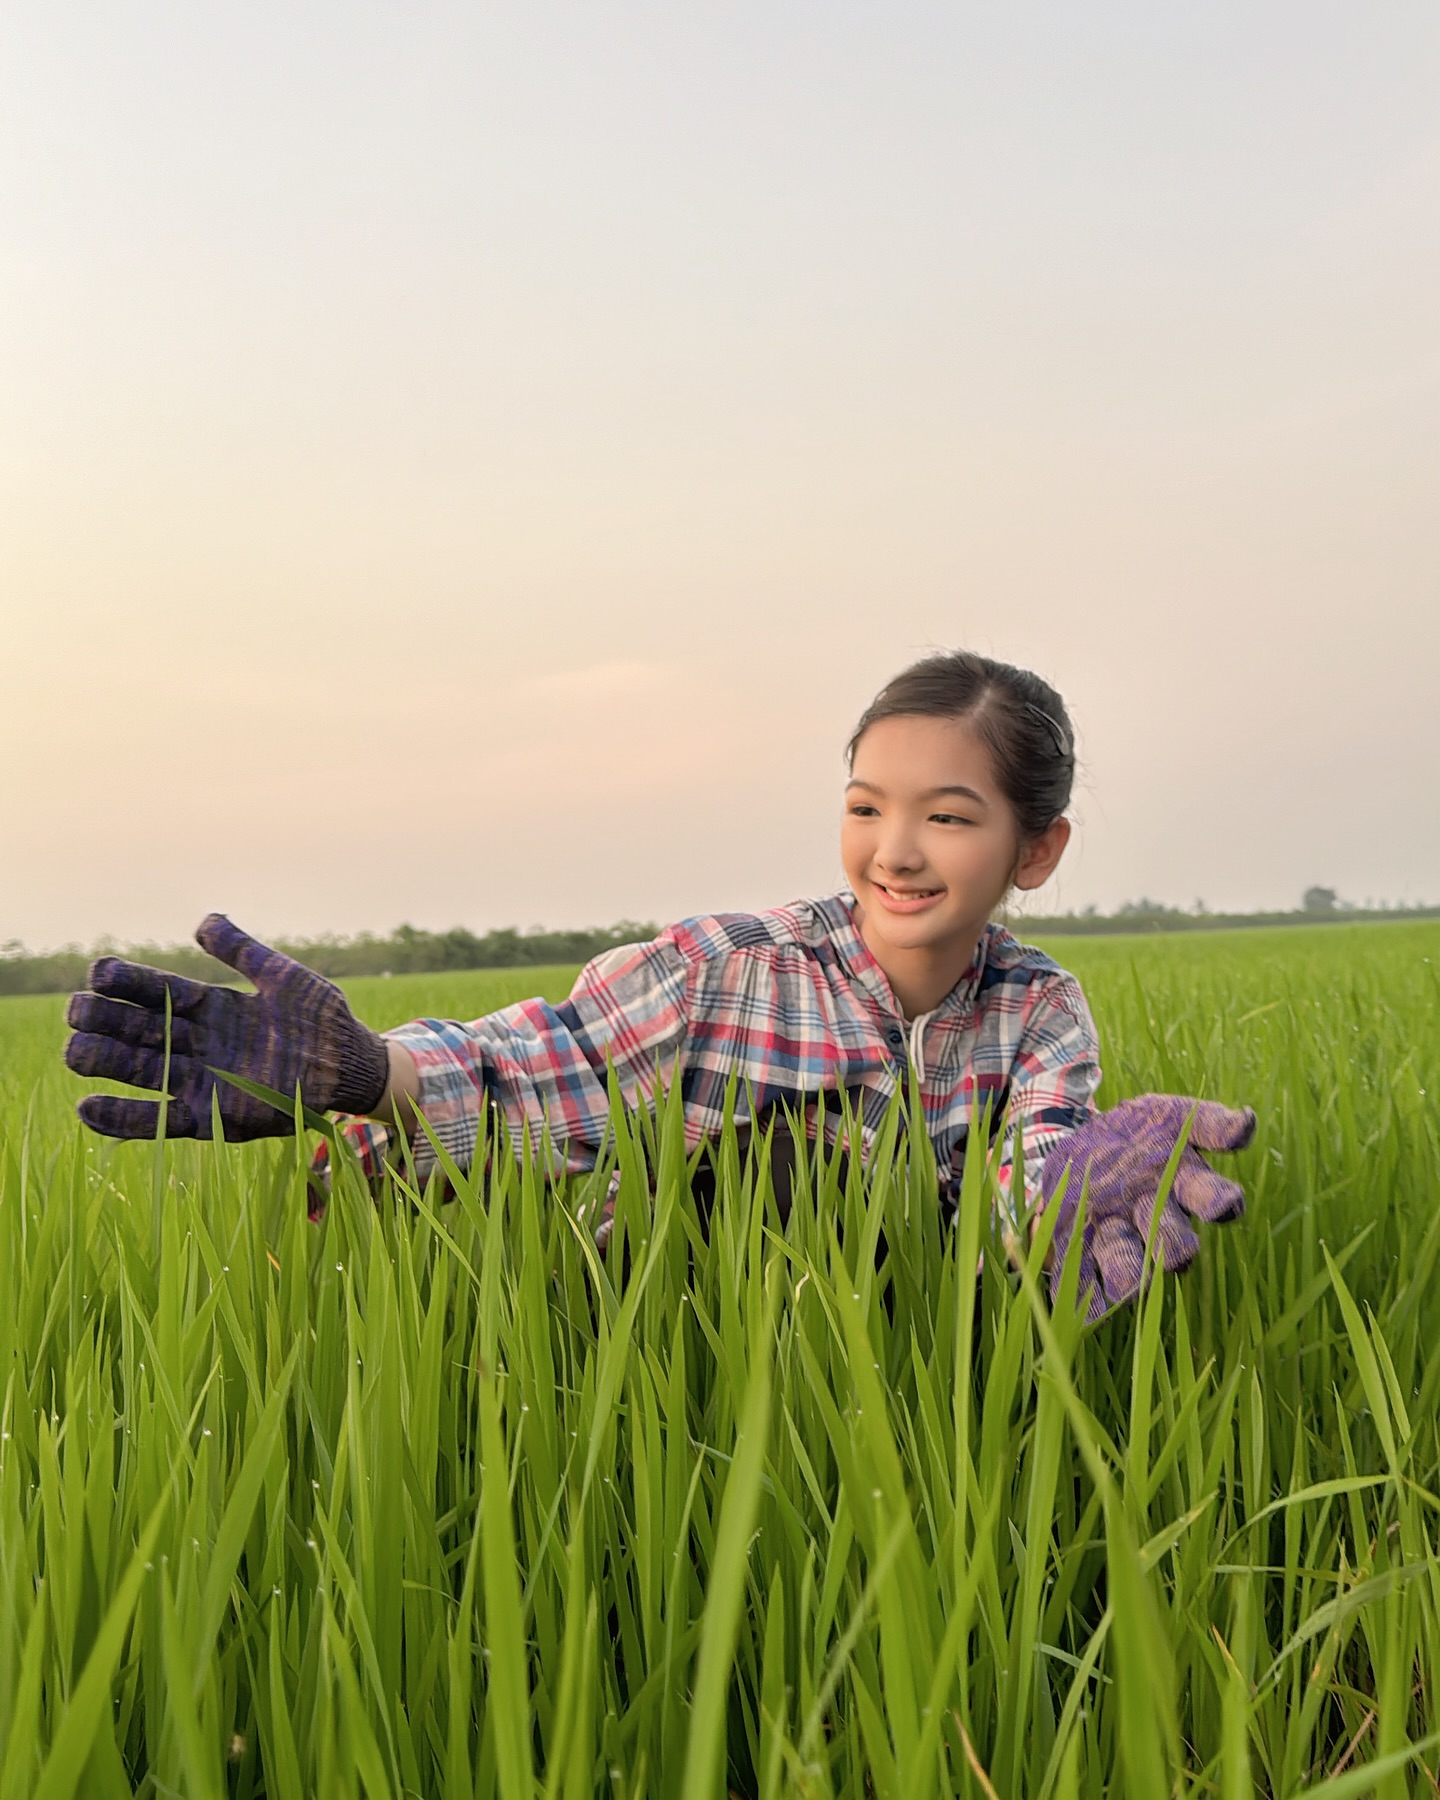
837	913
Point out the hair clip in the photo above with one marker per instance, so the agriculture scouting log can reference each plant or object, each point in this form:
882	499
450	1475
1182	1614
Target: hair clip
1059	735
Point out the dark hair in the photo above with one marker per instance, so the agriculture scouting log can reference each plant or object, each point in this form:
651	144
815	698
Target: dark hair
1020	718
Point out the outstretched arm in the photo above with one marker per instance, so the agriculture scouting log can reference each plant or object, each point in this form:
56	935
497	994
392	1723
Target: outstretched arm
402	1090
540	1067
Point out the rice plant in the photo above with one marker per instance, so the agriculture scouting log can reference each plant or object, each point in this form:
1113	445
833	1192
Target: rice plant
430	1498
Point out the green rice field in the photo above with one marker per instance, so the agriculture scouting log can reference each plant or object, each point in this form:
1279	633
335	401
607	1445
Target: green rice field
429	1499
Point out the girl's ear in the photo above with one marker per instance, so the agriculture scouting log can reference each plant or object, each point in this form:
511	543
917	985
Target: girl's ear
1040	856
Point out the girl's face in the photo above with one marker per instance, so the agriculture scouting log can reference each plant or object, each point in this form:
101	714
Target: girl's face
930	846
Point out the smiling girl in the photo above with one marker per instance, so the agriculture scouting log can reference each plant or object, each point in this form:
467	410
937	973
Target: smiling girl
960	774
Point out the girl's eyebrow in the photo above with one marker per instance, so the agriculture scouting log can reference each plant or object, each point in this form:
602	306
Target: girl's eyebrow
929	794
957	788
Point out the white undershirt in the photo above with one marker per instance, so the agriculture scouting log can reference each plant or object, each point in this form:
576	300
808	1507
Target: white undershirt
917	1042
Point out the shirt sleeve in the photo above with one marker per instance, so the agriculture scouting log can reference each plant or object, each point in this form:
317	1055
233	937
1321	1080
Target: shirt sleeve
371	1144
543	1067
1053	1084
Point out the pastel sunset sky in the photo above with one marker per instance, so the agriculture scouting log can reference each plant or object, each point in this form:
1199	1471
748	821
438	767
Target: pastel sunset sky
472	464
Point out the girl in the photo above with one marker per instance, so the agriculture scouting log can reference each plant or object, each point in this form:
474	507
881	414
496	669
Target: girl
960	774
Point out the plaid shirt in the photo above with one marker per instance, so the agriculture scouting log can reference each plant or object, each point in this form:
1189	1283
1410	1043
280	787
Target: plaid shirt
790	1001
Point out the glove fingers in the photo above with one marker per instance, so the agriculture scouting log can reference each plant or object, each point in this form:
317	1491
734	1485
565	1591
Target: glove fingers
1220	1127
1089	1284
1060	1244
1100	1304
1176	1245
144	986
1148	1112
115	1117
1120	1252
228	944
136	1065
1120	1257
1206	1195
129	1024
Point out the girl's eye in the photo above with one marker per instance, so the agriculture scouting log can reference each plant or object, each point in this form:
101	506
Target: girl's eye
949	819
859	810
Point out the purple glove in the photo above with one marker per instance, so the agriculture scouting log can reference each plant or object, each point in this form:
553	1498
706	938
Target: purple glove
297	1028
1124	1152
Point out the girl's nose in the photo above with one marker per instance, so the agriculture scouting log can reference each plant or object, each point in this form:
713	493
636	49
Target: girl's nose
899	853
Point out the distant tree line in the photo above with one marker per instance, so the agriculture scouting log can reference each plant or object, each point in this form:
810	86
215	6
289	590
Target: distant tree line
410	951
406	951
1320	906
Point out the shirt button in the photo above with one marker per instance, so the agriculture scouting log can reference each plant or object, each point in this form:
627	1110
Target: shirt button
895	1036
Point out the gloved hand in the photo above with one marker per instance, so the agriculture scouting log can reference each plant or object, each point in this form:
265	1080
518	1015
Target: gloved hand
1124	1152
297	1028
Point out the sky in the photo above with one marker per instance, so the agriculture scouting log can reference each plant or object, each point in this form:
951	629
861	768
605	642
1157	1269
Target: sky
473	465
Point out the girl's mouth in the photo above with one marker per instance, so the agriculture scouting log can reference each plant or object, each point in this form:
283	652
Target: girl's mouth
907	900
